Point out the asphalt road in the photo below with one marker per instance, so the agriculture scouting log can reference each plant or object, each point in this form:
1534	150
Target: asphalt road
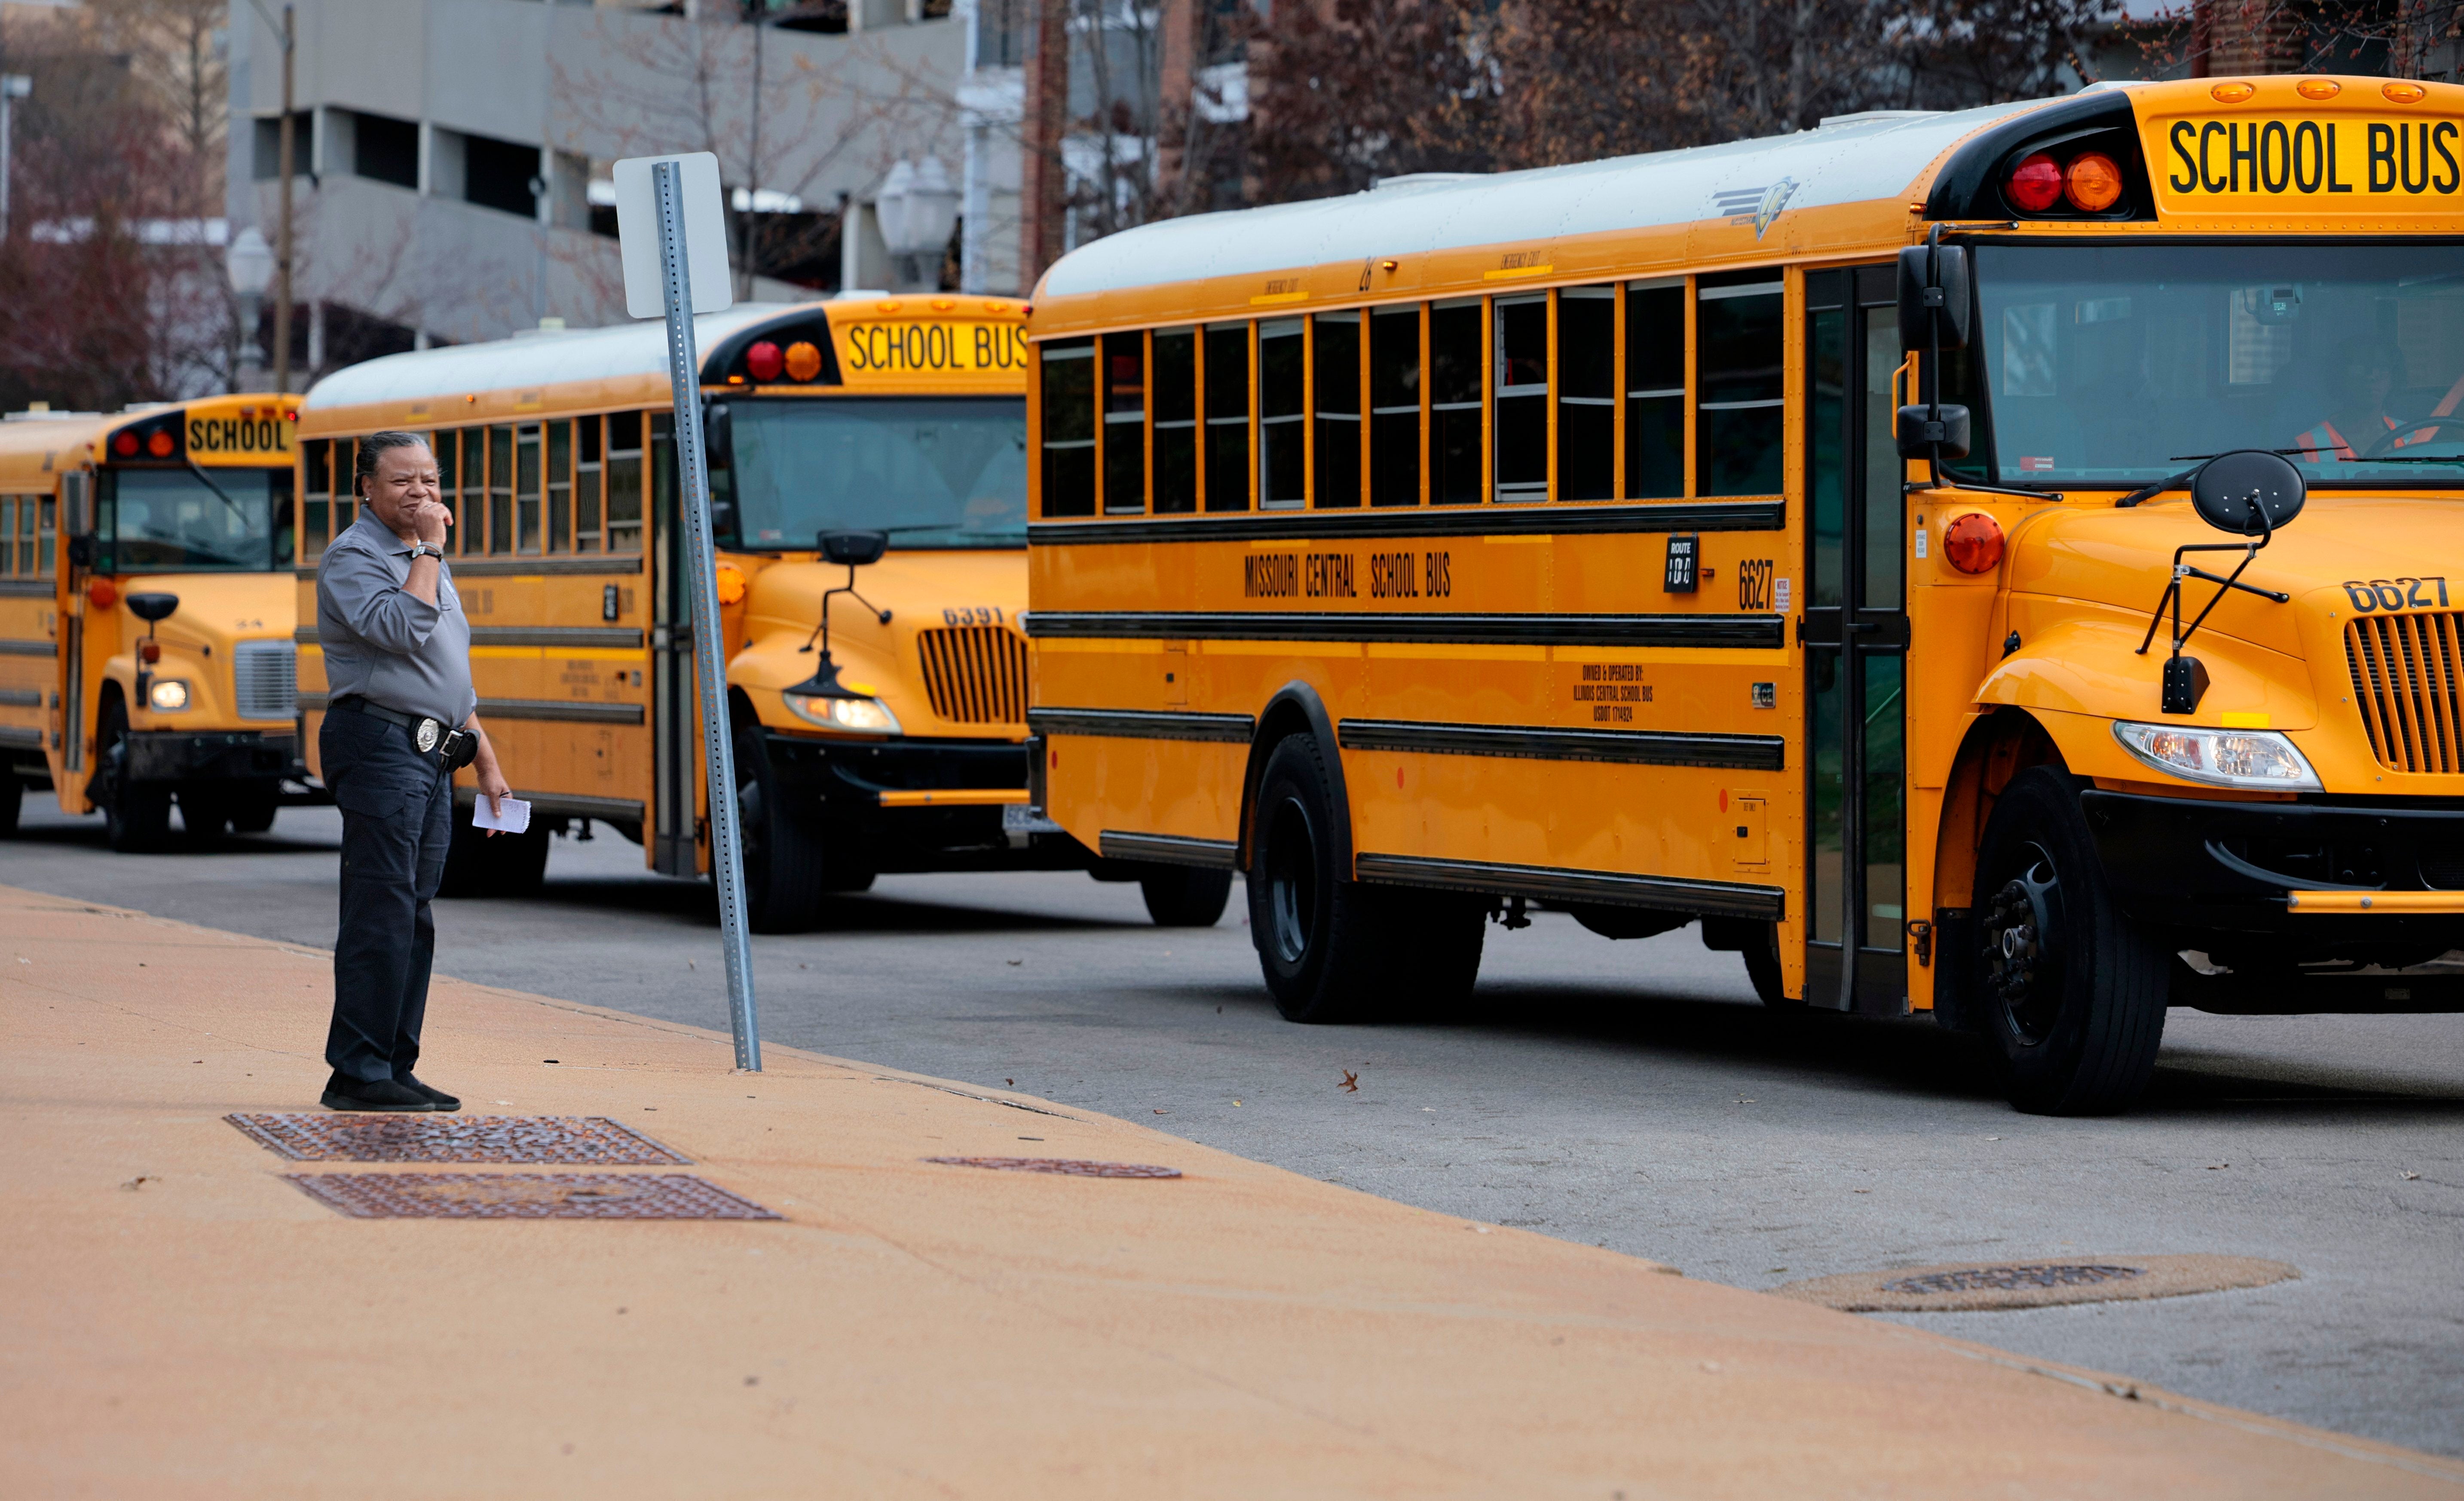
1623	1094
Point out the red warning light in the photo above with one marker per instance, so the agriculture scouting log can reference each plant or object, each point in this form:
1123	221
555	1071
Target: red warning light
159	443
2034	183
764	360
803	361
124	444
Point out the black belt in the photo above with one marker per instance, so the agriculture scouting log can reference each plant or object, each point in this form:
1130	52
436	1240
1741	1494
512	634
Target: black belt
452	749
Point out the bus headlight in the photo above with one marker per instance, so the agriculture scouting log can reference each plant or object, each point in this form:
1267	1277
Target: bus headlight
167	695
2249	759
864	715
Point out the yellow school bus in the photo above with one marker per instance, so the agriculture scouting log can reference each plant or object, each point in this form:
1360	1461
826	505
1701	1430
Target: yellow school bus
1785	536
868	458
145	651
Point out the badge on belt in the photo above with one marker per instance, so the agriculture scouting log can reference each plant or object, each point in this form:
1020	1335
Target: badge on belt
425	735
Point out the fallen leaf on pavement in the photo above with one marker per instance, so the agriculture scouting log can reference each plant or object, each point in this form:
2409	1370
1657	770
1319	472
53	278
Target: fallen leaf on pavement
1350	1081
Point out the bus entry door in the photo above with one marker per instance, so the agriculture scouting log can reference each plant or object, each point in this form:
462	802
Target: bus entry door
1856	635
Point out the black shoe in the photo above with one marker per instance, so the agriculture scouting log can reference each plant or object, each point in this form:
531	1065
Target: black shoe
437	1098
383	1094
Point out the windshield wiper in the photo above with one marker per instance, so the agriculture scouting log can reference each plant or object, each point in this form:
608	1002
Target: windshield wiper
208	479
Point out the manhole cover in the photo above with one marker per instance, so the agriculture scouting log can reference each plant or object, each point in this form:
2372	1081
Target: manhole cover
1973	1287
592	1141
526	1196
1060	1164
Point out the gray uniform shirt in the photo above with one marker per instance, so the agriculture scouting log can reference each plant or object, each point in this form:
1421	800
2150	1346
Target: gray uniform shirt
383	642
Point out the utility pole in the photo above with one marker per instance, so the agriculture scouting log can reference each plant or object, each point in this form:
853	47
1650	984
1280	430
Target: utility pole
14	86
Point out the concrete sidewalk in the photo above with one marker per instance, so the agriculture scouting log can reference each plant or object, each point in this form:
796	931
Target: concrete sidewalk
181	1320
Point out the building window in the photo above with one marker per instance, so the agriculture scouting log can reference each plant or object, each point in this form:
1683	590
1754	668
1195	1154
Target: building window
1334	357
1740	367
1394	399
1227	418
1521	360
1655	397
1587	393
1283	413
498	174
1125	423
1455	349
1175	421
384	150
1068	372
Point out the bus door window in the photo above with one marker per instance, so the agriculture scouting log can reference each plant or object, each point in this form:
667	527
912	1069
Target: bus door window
589	469
1125	423
1283	415
1455	359
1855	634
1227	417
1740	367
1395	406
1520	361
560	487
1335	396
1175	421
1587	393
1069	368
526	487
1654	396
624	482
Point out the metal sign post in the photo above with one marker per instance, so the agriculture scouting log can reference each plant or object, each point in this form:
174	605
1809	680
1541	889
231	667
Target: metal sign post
667	182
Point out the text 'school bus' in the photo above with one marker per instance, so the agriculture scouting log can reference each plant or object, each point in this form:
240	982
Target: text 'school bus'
1772	535
145	615
892	428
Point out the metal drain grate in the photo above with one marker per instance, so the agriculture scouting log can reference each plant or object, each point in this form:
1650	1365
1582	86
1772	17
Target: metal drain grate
2011	1279
526	1196
1060	1164
587	1141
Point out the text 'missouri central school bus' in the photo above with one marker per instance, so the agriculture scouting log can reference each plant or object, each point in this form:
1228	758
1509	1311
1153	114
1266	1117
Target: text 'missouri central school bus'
868	459
2006	564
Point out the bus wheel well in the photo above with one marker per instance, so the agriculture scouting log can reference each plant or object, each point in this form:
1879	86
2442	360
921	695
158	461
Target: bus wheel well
739	707
1997	748
1295	709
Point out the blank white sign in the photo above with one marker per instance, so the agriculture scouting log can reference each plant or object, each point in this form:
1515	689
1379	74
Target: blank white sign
637	231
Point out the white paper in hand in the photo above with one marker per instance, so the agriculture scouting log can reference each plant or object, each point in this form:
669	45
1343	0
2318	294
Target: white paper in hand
513	819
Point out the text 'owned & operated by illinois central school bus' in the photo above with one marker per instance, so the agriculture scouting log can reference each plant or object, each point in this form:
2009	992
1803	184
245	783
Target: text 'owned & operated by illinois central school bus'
868	462
2006	564
145	615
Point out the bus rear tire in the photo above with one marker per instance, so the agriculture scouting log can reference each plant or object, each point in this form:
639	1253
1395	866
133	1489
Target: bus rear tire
252	811
2069	993
783	874
1185	895
12	802
1333	949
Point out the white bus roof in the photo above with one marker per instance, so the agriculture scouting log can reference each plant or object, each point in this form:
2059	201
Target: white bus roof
546	358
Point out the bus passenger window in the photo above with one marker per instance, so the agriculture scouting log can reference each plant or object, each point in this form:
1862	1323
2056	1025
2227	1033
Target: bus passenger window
587	488
1175	421
1740	365
560	487
1655	390
473	524
1454	403
1587	393
1522	364
500	490
624	482
1227	418
1068	427
1395	406
9	534
1334	355
318	521
442	444
526	499
1124	424
45	529
1282	419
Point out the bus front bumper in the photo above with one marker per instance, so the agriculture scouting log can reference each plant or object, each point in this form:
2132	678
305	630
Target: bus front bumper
921	804
213	756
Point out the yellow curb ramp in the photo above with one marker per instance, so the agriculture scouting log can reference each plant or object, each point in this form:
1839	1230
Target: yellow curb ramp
178	1321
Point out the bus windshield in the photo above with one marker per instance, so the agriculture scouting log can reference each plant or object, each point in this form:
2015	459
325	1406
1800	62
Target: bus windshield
2111	365
933	472
194	520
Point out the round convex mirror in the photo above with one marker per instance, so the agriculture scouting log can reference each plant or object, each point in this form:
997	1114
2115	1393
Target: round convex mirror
2230	489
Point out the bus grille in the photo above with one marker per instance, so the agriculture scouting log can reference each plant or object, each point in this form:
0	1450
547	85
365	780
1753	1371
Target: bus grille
2408	682
975	674
266	679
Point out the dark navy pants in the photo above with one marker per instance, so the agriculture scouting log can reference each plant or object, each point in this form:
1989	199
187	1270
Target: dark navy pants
397	821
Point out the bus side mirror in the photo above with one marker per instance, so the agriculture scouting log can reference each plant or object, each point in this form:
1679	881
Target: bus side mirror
1933	296
80	552
2228	490
1919	431
718	434
854	549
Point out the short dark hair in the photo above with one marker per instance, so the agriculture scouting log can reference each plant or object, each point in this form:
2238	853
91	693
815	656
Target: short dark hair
364	467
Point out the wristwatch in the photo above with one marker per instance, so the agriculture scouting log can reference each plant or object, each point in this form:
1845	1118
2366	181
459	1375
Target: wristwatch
420	550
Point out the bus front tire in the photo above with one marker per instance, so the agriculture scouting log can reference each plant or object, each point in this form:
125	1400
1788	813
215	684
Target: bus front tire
479	865
1333	949
134	819
2069	993
785	878
1185	895
12	802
